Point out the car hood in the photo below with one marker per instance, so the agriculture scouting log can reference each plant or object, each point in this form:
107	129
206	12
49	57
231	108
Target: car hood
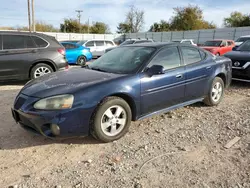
238	55
65	82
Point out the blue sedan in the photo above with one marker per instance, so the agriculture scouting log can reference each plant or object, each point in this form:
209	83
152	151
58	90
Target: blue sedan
129	83
77	54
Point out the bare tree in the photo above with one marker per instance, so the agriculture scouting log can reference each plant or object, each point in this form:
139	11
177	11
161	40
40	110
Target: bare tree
135	19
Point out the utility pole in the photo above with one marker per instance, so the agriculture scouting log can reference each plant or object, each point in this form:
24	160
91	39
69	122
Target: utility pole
28	1
79	18
33	16
88	25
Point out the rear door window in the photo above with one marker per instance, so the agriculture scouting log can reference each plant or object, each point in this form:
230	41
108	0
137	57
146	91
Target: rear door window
99	43
190	55
40	43
13	42
109	43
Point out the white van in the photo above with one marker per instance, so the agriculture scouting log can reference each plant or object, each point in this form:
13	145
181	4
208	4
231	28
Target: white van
97	46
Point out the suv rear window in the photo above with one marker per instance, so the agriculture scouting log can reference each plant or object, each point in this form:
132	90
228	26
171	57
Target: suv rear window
17	42
39	42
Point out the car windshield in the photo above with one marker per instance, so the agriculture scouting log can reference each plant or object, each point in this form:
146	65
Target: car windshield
81	42
122	60
244	47
213	43
127	42
243	39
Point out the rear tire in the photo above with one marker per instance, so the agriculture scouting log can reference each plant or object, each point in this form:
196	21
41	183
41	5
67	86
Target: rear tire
40	69
81	60
111	120
216	92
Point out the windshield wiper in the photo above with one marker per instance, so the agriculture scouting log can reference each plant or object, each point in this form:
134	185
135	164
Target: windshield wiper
98	69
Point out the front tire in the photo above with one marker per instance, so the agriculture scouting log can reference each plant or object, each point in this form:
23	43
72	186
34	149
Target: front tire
216	92
40	69
111	120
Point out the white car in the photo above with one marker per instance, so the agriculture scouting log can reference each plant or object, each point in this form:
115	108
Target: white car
97	47
242	39
186	41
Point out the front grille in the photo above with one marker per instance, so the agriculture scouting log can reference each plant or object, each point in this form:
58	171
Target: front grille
19	102
242	62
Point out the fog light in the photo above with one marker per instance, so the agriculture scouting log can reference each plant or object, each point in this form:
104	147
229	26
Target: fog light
55	129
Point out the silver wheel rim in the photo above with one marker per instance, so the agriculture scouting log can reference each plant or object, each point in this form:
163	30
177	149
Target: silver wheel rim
113	120
216	91
41	71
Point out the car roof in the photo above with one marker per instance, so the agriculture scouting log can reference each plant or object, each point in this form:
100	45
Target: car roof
244	36
22	33
159	44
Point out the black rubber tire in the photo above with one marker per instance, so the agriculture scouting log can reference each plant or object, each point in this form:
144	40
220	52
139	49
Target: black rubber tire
79	60
208	100
32	72
95	125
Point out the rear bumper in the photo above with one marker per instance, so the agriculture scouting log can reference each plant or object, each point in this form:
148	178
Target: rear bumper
61	63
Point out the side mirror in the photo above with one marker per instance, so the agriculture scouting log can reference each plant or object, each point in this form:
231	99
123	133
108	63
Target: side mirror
155	70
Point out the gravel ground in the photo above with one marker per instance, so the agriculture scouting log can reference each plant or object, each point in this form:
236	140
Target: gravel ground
183	148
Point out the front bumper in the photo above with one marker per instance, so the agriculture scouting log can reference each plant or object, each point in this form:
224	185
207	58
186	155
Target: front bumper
242	73
71	122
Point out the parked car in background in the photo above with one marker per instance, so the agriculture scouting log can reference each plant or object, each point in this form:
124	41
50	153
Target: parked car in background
105	96
241	40
186	41
25	55
218	47
131	41
77	54
72	41
97	47
240	57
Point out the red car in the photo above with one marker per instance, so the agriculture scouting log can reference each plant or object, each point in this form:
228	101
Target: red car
218	47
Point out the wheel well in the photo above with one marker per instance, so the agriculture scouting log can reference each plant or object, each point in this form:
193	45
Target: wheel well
130	102
223	77
44	62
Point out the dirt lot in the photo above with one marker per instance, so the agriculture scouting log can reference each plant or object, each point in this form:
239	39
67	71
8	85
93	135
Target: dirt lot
183	148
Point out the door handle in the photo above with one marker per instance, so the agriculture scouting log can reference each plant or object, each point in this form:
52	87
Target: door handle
179	76
208	67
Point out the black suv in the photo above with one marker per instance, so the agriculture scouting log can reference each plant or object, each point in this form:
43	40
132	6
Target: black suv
25	55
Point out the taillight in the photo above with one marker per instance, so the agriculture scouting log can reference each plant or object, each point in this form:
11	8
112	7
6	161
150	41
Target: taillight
61	51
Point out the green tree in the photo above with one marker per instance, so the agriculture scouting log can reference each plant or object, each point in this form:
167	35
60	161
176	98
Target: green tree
237	19
123	28
134	21
70	26
99	28
189	18
160	27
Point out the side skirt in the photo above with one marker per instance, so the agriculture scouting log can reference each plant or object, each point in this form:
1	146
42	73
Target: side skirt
171	108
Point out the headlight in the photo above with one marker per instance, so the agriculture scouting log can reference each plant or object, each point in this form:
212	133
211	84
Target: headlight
55	103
